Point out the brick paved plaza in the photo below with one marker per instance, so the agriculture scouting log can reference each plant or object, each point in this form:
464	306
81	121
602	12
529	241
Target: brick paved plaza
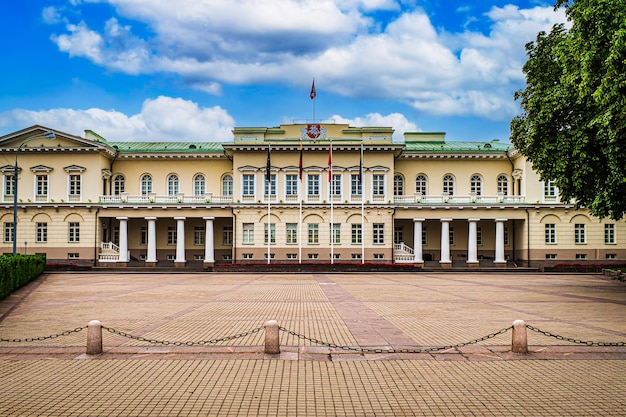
386	314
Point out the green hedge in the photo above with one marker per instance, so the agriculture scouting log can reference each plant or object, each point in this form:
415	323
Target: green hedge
18	270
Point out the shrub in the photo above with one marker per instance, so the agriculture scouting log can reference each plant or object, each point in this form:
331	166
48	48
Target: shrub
18	270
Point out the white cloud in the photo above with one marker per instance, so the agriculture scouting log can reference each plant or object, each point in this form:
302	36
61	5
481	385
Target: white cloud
396	120
211	43
161	119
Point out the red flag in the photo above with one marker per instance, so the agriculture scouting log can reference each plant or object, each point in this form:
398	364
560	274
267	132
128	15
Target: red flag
300	165
313	93
330	163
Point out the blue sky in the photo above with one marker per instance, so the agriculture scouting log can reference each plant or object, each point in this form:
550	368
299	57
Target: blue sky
193	69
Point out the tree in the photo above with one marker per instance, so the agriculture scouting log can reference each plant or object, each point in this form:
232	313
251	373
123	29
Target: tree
573	122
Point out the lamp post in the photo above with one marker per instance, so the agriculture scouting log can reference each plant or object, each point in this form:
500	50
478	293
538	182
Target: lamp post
48	135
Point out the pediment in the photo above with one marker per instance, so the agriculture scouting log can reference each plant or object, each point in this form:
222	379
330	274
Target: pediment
40	168
74	168
38	137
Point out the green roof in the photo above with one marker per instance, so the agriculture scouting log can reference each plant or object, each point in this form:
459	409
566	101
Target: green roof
167	147
457	146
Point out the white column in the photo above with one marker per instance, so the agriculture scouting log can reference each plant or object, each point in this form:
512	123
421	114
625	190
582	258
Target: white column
123	239
151	258
417	241
445	242
209	245
180	241
472	244
499	260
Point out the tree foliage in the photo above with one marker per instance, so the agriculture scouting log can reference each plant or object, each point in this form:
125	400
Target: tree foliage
573	122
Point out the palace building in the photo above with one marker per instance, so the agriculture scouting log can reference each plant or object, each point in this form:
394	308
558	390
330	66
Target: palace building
297	193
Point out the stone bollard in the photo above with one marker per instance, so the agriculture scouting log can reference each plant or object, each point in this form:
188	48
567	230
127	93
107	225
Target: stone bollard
519	343
94	337
272	345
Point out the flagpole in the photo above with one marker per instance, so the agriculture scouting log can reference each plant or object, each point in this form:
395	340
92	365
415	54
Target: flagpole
300	237
268	180
330	192
362	208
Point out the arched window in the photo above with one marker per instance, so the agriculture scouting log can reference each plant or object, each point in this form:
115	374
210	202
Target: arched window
146	184
227	185
421	184
476	185
503	185
172	184
199	185
398	185
119	184
448	184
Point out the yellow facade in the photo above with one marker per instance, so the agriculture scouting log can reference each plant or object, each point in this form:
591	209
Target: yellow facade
424	201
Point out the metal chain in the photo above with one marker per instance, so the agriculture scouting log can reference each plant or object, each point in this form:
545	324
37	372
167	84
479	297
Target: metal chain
52	336
177	343
577	341
378	350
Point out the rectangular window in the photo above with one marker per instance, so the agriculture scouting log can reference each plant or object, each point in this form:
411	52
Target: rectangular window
356	256
611	256
356	187
248	234
74	187
336	233
581	256
41	235
171	235
379	256
272	233
292	256
248	185
506	236
313	255
357	235
379	234
272	185
398	235
198	235
9	184
378	185
579	234
550	233
73	256
8	232
549	190
42	185
451	236
291	185
609	234
227	236
313	184
424	237
265	256
143	235
551	256
248	256
292	233
335	185
314	234
74	232
479	236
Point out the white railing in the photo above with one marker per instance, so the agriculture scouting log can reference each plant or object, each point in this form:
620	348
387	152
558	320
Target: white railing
168	199
401	247
109	246
109	257
458	199
403	258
